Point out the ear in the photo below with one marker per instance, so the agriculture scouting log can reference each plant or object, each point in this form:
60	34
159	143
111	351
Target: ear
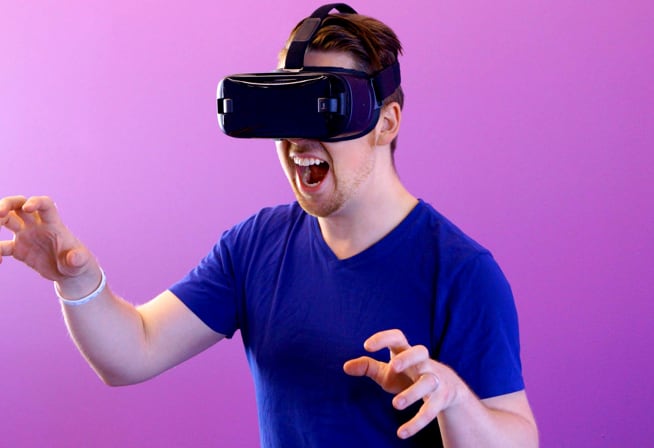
388	125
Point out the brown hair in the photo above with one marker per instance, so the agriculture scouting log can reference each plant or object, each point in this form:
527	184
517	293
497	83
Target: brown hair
372	44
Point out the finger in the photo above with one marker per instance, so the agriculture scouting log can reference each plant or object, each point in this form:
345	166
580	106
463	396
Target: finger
45	206
391	339
411	357
28	218
422	388
428	413
364	366
10	203
6	249
13	222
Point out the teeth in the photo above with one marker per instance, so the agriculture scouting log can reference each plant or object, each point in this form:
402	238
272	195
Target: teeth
306	161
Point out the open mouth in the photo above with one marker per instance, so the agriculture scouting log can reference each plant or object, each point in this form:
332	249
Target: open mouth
311	171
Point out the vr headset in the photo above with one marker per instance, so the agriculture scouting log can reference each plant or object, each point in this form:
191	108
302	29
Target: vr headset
319	103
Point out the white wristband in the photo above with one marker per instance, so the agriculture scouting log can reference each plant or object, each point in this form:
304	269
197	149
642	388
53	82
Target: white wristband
83	300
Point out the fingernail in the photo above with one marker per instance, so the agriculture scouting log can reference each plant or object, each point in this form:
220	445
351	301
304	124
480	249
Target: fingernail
404	434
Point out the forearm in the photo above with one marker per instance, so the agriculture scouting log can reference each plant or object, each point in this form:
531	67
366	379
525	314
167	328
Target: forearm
110	334
126	344
475	423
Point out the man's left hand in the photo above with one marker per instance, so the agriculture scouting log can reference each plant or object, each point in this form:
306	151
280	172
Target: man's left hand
411	375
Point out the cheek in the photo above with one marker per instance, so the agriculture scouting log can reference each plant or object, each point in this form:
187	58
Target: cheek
282	150
371	138
350	165
288	167
281	147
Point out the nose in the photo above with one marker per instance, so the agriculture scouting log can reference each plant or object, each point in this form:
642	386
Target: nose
302	144
297	141
288	144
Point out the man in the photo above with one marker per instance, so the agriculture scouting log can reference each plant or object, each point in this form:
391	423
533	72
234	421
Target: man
357	265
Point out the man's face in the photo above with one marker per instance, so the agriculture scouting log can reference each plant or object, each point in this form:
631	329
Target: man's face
327	177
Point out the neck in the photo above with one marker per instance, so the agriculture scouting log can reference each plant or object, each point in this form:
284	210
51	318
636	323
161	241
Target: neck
367	218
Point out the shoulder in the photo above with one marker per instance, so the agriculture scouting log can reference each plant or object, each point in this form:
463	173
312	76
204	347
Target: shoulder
452	244
460	261
265	233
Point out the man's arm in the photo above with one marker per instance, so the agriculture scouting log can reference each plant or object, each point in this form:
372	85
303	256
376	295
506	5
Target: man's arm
124	344
505	420
465	421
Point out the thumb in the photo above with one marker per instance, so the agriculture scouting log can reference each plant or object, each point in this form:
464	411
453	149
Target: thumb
74	261
363	366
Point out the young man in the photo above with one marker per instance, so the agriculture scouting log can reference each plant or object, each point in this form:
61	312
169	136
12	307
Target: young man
357	265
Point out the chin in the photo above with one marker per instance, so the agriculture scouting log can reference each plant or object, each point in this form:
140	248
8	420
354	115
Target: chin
312	209
323	209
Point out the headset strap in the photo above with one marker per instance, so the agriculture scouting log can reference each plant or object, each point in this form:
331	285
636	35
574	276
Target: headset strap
306	31
386	81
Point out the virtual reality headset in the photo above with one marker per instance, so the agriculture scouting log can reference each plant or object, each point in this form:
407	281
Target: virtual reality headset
319	103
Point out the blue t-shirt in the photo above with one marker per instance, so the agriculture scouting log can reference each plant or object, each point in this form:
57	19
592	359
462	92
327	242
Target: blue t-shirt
302	313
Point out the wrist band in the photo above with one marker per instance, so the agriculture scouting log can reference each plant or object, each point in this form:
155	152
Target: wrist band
86	299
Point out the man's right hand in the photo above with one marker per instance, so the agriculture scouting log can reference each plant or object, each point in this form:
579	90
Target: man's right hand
124	344
44	243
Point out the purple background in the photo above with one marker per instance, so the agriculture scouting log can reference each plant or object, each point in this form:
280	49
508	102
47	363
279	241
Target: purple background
530	124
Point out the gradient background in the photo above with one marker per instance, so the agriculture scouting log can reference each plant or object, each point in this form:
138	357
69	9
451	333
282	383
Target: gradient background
528	123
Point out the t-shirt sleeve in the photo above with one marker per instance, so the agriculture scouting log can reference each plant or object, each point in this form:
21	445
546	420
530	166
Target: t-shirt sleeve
481	341
209	290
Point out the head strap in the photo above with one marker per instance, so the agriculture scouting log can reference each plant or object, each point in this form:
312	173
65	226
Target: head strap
306	31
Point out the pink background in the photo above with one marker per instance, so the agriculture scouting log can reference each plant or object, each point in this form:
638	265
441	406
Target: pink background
530	124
